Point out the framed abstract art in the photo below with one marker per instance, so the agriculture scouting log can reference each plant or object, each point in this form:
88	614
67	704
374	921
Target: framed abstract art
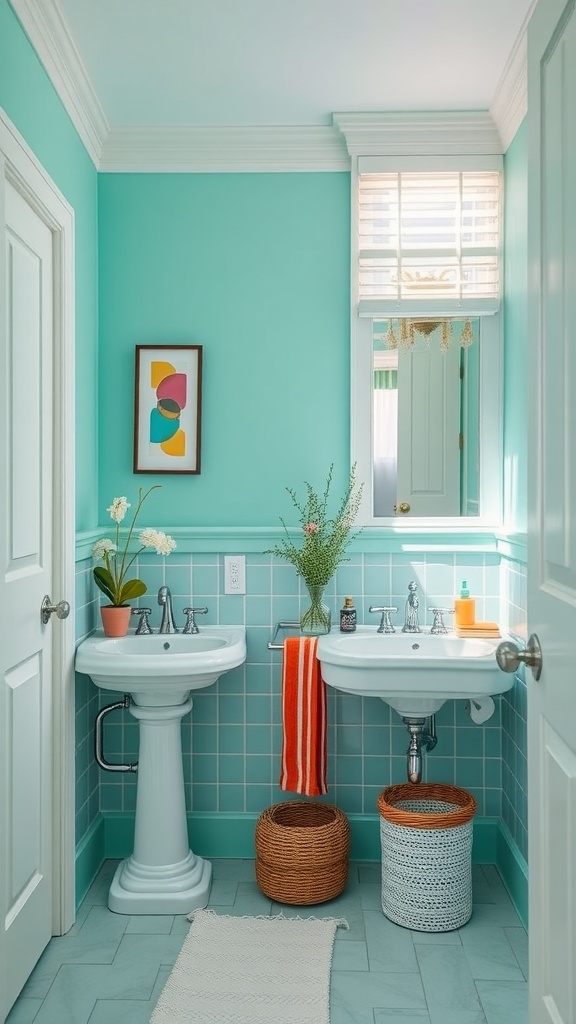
167	407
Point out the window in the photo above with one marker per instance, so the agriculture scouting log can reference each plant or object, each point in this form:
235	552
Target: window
426	246
427	237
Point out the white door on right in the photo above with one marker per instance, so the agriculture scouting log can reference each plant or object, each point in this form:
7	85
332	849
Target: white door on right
552	510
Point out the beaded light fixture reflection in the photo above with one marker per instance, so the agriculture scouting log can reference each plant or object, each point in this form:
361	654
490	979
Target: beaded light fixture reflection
401	333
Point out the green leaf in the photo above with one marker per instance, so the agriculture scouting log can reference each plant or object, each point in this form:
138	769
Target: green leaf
104	581
132	589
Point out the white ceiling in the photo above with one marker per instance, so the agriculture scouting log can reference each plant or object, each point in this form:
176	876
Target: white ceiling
289	62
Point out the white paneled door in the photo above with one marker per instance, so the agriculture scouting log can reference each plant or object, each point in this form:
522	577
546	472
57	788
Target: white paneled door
429	430
30	462
26	577
552	526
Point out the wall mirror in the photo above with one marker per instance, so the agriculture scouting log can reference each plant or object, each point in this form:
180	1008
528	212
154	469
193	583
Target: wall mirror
427	417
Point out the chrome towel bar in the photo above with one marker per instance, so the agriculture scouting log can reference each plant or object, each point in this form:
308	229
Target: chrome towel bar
273	645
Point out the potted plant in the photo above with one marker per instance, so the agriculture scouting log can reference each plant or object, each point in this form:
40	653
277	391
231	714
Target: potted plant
324	544
112	577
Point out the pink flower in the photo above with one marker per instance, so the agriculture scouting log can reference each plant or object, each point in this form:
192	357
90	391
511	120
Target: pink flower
310	528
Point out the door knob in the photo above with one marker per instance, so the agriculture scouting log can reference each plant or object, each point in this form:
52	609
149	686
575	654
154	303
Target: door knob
402	507
62	609
509	656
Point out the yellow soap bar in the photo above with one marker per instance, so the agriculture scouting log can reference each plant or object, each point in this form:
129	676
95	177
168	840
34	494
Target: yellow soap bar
470	631
482	625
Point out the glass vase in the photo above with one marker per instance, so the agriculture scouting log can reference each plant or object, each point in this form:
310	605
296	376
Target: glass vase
316	618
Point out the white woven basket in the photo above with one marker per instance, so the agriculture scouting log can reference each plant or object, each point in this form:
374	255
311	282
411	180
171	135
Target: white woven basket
426	872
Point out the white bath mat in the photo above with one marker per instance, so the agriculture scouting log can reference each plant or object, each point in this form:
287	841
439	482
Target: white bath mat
250	970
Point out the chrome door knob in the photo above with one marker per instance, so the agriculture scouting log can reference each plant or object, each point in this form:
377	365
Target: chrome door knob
509	656
47	609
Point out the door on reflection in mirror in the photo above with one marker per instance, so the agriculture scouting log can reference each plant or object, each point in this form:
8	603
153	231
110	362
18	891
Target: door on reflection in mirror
425	422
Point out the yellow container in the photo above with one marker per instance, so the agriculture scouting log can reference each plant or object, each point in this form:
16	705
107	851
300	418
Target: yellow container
464	607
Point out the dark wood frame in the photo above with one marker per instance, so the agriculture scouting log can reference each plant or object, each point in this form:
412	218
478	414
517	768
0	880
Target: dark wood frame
145	463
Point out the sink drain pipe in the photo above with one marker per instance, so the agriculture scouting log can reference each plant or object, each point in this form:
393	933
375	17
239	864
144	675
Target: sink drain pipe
420	736
101	761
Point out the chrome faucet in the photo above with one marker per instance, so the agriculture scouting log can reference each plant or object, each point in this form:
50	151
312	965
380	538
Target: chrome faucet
165	599
411	618
386	625
190	613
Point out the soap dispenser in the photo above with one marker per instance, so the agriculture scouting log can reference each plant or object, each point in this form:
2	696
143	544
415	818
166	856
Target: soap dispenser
348	617
464	607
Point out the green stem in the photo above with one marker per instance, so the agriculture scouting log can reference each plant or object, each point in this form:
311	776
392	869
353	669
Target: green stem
123	567
133	559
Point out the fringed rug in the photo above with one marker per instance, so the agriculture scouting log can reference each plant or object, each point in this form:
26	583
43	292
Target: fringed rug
250	970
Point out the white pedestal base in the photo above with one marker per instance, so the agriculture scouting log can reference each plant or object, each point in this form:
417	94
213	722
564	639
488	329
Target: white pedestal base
162	876
137	889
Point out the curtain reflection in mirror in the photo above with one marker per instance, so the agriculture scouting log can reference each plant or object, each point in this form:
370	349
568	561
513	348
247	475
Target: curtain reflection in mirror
385	413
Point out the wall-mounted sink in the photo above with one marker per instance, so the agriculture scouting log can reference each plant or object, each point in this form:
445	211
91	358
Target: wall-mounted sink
159	671
162	668
415	673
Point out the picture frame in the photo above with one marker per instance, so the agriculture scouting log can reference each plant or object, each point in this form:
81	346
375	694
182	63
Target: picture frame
167	408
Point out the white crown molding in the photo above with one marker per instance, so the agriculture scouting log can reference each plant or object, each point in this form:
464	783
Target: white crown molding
267	148
510	103
48	32
419	133
175	149
223	149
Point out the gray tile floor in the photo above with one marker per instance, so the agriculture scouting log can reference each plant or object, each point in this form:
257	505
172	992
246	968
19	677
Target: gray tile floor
110	969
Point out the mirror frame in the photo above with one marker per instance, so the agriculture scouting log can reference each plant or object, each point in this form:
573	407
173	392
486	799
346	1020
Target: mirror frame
491	427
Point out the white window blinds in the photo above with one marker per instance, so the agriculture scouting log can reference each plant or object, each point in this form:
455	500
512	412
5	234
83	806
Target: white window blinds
428	241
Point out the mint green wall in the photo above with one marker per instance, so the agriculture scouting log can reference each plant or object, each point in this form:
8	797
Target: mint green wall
29	100
255	268
515	328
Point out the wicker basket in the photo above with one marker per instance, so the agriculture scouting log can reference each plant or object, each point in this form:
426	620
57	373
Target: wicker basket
302	852
426	836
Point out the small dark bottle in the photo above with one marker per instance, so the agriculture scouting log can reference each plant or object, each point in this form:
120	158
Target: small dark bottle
348	617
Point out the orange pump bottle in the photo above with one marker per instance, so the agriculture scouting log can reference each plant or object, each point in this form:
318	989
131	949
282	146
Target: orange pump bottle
464	607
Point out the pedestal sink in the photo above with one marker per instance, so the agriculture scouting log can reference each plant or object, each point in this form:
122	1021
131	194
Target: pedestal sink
163	875
415	673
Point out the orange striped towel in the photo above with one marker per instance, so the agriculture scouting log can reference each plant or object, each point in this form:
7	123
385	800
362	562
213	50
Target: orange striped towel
303	719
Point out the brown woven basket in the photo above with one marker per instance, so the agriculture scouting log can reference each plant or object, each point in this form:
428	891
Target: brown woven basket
302	852
390	798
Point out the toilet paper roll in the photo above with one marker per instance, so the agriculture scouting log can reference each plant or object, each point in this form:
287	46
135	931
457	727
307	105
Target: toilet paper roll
480	709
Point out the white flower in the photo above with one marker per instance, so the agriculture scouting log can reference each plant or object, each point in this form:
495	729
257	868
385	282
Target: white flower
118	509
102	547
161	542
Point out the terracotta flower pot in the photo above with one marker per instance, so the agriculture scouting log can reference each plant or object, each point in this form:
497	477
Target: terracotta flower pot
115	620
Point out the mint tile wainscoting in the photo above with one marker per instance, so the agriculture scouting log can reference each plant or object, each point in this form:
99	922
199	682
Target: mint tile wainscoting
514	713
110	969
232	738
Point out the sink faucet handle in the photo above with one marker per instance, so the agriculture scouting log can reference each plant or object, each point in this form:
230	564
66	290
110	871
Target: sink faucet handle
190	614
144	628
438	625
386	625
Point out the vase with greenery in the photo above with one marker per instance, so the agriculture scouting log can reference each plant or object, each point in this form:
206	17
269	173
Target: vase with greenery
113	576
323	546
